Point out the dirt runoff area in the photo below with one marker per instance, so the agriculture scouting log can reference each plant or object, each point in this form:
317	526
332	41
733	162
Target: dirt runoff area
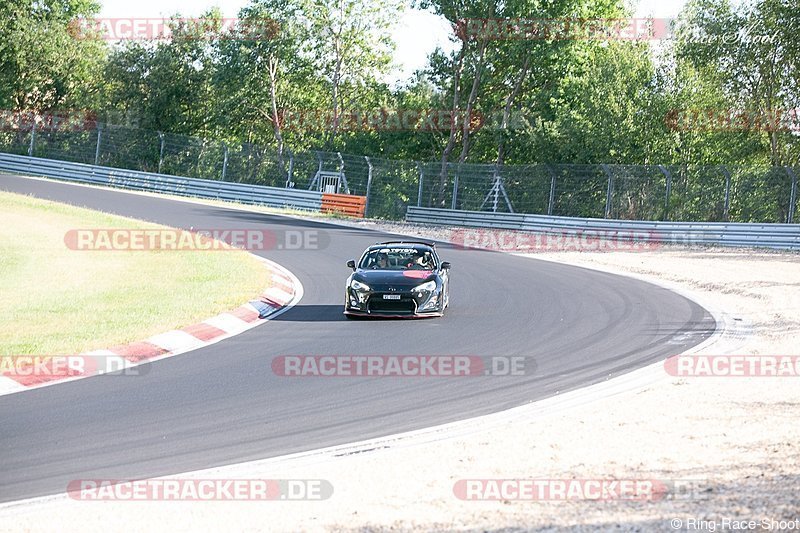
662	453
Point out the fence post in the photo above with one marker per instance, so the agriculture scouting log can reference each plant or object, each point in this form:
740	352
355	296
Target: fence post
344	178
792	195
496	187
609	191
726	210
668	190
224	161
455	191
419	191
160	151
315	181
33	137
552	200
369	185
199	157
289	183
99	140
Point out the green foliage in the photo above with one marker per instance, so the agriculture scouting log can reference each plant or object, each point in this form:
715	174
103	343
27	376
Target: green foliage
43	66
165	86
544	101
749	53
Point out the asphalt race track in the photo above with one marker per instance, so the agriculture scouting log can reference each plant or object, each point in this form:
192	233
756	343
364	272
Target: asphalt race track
223	404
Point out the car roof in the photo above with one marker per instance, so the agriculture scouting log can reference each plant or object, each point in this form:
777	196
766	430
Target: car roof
417	245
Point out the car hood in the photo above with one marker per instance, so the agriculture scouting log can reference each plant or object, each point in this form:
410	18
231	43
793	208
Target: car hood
381	279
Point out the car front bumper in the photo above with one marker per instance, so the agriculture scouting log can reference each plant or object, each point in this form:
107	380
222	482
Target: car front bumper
387	314
406	305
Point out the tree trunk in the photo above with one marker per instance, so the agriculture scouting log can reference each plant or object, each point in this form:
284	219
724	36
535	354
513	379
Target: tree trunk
451	141
335	96
276	119
473	95
501	147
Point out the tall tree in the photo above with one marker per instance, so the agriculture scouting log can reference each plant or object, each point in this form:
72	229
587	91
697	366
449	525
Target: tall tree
260	75
167	85
43	64
350	46
751	50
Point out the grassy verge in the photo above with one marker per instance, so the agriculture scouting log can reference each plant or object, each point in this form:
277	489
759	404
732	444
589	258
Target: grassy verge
56	301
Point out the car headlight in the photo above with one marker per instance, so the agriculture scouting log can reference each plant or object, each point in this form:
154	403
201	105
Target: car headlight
426	287
358	286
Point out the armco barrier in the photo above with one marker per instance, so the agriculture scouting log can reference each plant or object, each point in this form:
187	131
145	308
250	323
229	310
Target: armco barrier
345	204
778	236
143	181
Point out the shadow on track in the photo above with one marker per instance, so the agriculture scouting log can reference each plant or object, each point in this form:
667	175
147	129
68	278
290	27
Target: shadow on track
332	313
313	313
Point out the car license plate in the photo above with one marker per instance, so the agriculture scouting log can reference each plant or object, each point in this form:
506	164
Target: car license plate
391	296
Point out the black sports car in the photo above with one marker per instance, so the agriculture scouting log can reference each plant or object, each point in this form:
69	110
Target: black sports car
398	279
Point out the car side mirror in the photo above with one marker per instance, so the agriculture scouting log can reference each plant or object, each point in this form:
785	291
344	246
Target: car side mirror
445	265
351	264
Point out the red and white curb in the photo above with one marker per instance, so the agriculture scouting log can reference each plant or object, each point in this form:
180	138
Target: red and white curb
284	292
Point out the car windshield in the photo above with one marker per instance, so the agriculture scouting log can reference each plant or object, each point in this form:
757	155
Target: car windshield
398	259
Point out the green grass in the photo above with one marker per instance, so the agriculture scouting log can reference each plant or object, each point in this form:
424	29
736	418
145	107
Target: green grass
60	301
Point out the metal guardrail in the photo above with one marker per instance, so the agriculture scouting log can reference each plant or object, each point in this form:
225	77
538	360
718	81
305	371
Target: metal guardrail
778	236
756	192
144	181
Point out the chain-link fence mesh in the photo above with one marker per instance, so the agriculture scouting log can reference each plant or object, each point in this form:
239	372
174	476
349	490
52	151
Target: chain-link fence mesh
632	192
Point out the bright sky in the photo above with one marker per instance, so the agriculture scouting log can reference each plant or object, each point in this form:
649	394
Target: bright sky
416	34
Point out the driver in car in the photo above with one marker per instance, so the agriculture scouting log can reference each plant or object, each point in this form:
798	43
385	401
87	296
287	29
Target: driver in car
382	261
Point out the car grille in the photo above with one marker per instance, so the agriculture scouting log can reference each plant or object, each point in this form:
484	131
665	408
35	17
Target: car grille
404	306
